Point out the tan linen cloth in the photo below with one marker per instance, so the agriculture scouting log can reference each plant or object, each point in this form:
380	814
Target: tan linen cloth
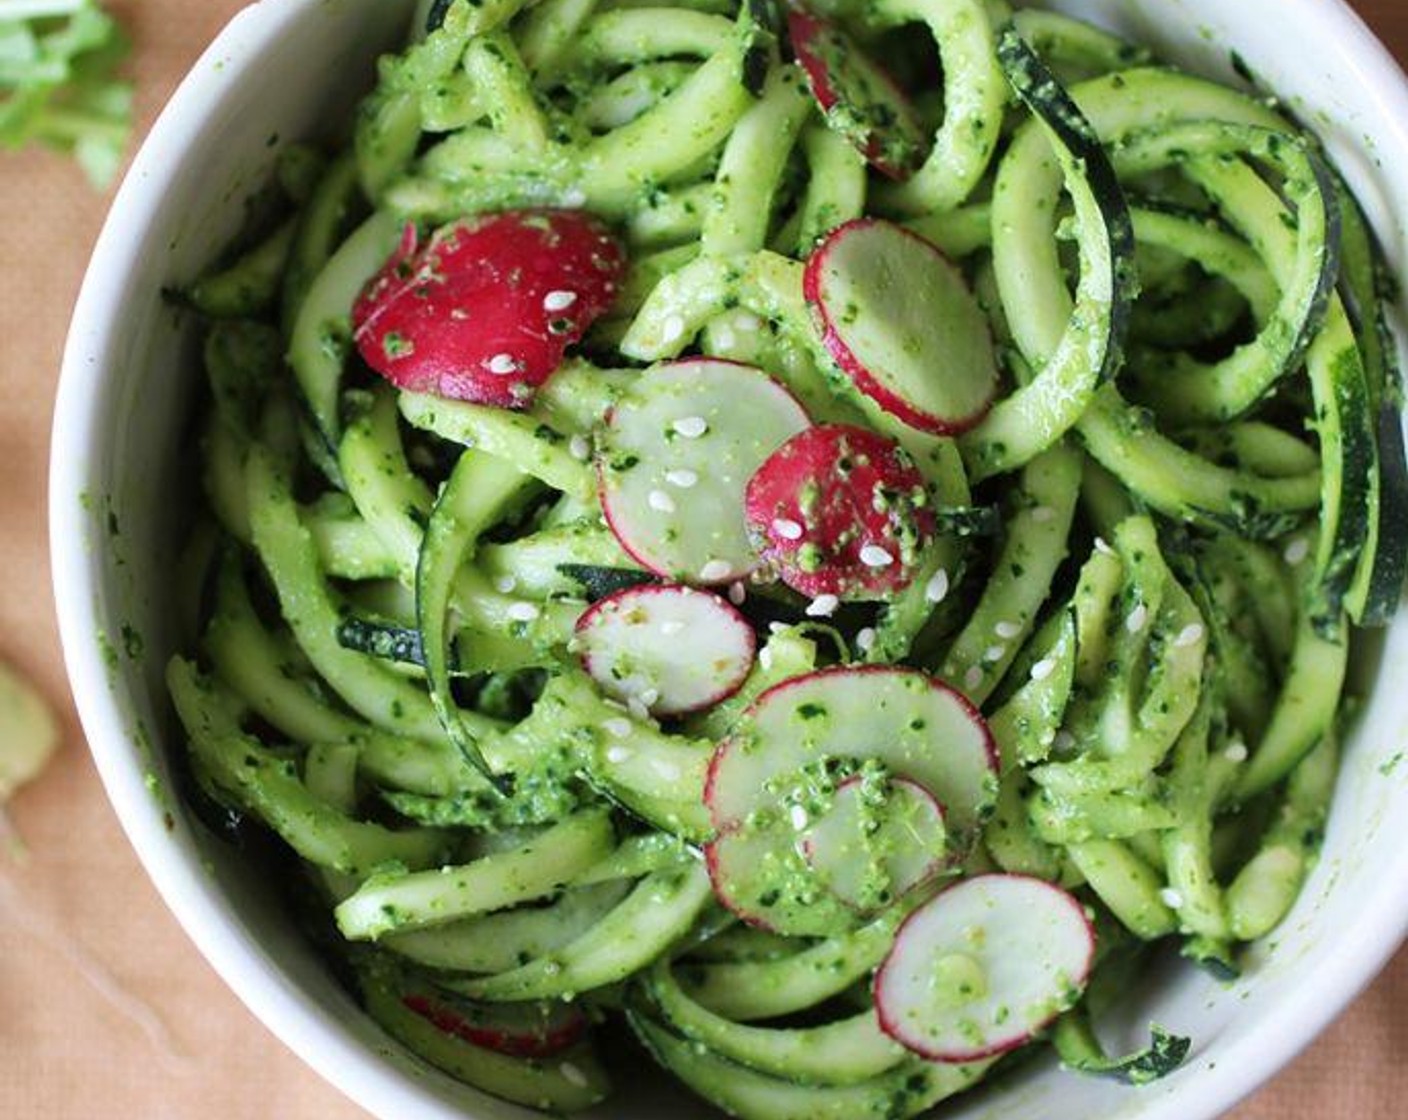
188	1050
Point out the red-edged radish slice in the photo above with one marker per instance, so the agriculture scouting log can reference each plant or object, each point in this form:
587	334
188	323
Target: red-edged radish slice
675	458
914	724
878	842
523	1030
840	510
857	97
672	649
759	874
486	308
899	320
979	969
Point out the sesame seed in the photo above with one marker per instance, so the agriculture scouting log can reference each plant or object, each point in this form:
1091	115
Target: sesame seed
937	589
573	1074
1171	898
787	529
994	653
873	556
725	339
650	696
778	627
973	677
1043	514
637	709
737	593
672	330
691	427
1043	669
1137	619
559	300
506	585
502	364
659	500
1047	737
667	769
580	448
765	658
522	612
748	322
715	570
617	727
823	606
865	640
1297	551
1007	630
671	626
1189	635
1102	546
1237	752
618	754
800	820
682	477
574	196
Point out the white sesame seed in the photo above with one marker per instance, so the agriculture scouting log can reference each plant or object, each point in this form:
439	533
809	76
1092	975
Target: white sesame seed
1297	551
506	585
724	338
1047	737
865	640
573	1074
737	593
973	677
994	653
559	300
800	820
1189	635
1171	898
671	626
667	769
1237	752
1007	630
1043	669
787	529
778	628
650	696
1043	513
1102	546
580	448
617	726
637	709
748	322
823	606
715	570
659	500
1136	620
937	589
618	754
502	364
691	427
672	330
522	612
765	658
873	556
574	196
682	477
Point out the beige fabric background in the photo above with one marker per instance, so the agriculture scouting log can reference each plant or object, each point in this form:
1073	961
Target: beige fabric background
66	1051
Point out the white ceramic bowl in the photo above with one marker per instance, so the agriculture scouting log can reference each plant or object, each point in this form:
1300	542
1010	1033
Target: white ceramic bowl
284	68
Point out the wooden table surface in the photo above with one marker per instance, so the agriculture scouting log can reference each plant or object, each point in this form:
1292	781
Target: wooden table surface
106	1010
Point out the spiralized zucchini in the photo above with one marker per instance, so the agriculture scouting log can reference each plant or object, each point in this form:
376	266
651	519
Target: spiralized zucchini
1150	558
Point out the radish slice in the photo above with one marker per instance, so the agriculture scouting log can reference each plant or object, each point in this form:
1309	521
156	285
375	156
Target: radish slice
523	1030
485	310
878	842
760	874
982	967
914	724
840	510
671	649
674	460
857	97
899	320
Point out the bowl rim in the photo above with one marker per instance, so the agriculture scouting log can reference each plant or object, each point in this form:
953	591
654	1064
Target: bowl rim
1295	1020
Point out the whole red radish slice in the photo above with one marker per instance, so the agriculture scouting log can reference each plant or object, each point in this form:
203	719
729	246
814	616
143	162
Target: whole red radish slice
840	510
979	969
900	321
485	310
878	841
857	97
523	1030
675	458
671	649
